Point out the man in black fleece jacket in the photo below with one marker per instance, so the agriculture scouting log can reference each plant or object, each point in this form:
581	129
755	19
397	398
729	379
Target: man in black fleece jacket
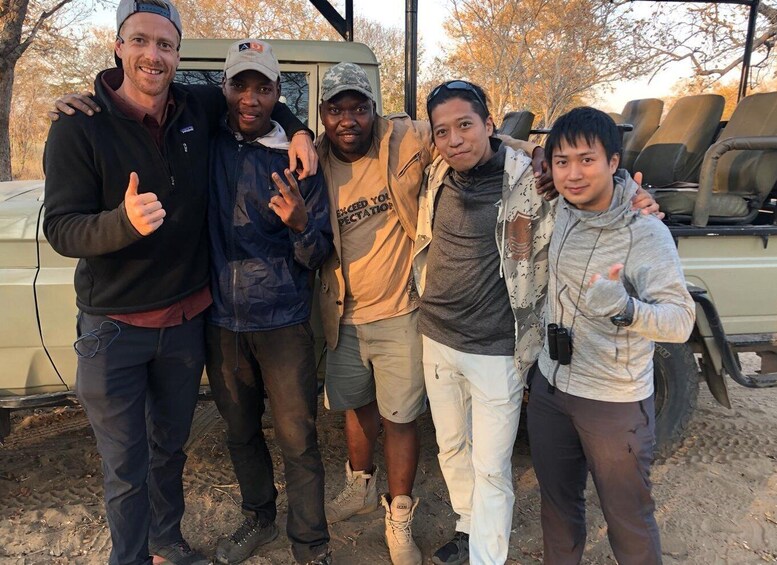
126	193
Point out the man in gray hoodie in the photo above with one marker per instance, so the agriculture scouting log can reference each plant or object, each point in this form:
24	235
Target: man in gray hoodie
615	287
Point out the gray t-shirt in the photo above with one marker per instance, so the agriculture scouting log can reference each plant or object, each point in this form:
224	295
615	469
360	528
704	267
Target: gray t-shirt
465	304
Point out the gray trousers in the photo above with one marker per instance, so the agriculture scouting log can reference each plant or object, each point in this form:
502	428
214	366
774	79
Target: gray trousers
569	436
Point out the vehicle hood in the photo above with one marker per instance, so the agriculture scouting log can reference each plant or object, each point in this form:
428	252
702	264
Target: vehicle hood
21	189
21	203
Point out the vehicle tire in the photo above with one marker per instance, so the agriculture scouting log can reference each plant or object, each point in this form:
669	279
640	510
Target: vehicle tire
676	380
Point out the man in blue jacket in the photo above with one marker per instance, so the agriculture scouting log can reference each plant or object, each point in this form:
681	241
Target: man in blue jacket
268	234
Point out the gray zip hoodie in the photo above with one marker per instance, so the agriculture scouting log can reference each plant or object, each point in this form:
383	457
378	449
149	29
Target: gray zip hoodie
612	363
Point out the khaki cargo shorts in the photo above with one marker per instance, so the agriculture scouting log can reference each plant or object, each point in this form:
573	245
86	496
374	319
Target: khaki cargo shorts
380	361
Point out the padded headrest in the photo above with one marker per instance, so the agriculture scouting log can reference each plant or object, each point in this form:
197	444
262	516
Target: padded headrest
644	115
517	124
749	172
675	151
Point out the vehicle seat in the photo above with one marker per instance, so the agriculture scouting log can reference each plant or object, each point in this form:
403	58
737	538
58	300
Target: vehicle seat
644	115
675	151
744	177
517	124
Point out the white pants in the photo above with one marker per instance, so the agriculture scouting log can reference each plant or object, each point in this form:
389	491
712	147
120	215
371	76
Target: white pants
476	405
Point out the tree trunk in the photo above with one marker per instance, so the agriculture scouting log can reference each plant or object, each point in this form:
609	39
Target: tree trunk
12	18
6	92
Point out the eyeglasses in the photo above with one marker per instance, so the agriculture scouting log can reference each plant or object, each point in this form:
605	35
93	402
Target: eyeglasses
99	339
456	85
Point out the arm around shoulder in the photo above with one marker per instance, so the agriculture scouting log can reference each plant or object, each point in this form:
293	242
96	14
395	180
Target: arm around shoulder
424	131
290	123
518	144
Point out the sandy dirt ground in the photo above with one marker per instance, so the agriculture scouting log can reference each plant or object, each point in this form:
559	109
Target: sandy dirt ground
716	495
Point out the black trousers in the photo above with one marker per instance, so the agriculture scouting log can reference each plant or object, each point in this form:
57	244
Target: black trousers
139	389
282	362
569	436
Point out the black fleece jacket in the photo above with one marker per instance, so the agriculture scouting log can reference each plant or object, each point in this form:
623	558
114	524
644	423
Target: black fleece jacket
88	161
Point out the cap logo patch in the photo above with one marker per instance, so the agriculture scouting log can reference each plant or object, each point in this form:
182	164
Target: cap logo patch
252	46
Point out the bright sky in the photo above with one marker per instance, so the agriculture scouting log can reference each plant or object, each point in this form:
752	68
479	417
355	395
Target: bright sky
432	13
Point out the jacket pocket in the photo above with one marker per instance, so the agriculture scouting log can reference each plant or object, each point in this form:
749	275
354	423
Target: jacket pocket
404	168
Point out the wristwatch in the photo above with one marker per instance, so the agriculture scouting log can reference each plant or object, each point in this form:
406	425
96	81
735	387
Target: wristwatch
626	317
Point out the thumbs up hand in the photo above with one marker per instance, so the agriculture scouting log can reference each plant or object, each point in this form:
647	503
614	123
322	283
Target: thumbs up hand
144	210
614	274
607	296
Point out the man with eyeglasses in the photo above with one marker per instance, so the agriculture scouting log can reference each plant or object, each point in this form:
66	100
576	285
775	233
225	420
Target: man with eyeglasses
126	193
374	168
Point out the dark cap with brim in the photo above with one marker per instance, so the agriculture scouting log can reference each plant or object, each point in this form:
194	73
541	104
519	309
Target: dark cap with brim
162	8
345	77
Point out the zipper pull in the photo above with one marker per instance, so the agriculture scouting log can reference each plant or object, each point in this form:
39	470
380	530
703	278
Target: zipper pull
172	182
185	148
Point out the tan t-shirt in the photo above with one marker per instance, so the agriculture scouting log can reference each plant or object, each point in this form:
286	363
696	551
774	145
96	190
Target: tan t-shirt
376	252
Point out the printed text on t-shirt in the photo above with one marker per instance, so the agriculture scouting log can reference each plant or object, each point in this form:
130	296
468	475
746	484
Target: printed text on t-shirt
364	208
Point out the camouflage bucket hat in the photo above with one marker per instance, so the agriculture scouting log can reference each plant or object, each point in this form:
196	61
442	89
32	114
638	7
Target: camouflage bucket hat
343	77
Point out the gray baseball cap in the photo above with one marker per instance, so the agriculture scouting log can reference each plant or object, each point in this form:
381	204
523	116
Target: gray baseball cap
251	55
162	8
344	77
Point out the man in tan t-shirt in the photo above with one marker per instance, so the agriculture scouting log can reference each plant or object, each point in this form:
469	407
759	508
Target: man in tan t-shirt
374	171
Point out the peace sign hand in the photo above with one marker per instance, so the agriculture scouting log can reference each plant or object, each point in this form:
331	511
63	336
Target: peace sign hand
289	204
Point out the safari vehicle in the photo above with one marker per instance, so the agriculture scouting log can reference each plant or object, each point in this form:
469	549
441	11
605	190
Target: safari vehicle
725	228
721	206
731	271
36	283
